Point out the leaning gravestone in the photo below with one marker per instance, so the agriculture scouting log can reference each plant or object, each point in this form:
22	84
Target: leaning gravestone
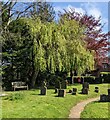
61	93
43	89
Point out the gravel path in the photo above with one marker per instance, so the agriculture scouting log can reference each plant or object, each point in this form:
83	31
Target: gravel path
76	110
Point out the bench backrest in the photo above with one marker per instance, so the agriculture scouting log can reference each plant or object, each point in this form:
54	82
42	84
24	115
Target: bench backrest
18	83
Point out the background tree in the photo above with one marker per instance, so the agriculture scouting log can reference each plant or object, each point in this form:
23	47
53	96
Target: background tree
43	10
96	40
34	47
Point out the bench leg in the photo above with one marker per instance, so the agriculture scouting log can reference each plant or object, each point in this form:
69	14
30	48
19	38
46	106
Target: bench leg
27	87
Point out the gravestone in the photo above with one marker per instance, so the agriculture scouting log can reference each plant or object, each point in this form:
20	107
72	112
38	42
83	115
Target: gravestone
85	88
63	84
74	91
108	98
103	98
61	93
58	84
43	89
85	91
109	92
96	89
70	91
56	90
86	85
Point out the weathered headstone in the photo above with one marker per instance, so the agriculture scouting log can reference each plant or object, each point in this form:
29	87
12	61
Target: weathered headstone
108	98
61	93
96	89
103	98
43	89
70	91
86	85
58	84
74	91
63	84
85	91
85	88
56	90
109	92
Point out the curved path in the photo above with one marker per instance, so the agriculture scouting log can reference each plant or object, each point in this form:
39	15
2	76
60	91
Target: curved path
76	110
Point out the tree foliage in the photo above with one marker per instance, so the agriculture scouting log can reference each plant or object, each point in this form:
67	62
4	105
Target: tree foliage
36	45
96	40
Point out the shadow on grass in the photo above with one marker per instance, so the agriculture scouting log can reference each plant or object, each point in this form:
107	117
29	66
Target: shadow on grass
56	96
101	101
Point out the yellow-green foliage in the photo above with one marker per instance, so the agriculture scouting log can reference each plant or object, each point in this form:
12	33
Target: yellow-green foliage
58	45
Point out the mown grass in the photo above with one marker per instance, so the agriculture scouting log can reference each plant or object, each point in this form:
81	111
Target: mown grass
96	110
33	105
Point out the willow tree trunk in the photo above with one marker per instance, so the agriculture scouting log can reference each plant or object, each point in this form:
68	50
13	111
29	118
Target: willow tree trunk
33	80
71	77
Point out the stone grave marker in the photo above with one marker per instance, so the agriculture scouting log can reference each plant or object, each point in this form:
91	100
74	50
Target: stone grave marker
103	98
86	85
70	91
85	91
56	90
63	84
61	93
58	84
74	91
108	98
43	89
109	92
96	89
85	88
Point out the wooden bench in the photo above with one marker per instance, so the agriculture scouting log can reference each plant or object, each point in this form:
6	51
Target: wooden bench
19	84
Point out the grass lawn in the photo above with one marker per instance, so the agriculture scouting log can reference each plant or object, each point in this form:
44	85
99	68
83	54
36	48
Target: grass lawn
96	110
33	105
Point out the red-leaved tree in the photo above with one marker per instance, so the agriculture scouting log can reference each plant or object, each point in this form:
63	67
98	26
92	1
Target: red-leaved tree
95	38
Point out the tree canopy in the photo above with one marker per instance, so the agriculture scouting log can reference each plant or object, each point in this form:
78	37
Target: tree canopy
36	44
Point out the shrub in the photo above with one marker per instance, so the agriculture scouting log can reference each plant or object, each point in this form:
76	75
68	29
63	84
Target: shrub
89	79
105	76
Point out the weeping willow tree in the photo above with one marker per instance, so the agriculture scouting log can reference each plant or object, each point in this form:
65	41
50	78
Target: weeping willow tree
49	47
78	57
